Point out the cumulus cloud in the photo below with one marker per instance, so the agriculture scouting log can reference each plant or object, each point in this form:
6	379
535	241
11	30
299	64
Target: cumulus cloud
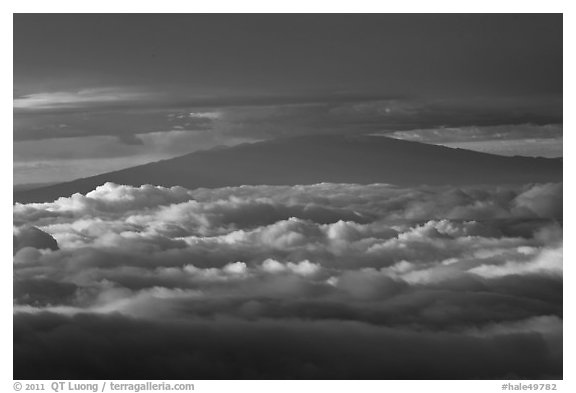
548	261
391	278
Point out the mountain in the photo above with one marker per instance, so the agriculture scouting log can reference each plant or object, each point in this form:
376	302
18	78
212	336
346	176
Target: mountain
319	158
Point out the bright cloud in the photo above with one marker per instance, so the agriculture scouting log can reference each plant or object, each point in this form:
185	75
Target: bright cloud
74	99
300	272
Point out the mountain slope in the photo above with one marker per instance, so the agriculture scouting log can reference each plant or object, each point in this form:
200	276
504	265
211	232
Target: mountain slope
319	158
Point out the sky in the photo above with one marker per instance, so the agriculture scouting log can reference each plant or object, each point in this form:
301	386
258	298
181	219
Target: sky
98	92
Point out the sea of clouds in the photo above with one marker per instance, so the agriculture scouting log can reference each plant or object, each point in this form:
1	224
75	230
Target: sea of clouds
321	281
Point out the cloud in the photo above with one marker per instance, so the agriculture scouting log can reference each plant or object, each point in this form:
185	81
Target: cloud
540	140
153	125
201	115
68	158
317	281
118	110
95	115
547	262
544	200
49	345
74	99
479	133
130	139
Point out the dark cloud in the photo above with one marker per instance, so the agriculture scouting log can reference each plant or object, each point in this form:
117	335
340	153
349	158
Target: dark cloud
130	139
92	121
391	115
39	292
116	347
268	118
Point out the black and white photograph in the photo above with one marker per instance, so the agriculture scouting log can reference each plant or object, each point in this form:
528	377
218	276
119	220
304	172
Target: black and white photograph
288	196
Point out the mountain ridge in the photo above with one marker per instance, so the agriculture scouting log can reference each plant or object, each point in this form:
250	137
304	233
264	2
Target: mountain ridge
319	158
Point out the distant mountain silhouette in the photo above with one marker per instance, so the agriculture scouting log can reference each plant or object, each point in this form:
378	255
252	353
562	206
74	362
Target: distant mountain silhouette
319	158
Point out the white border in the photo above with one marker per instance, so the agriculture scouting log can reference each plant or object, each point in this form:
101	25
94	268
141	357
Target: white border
292	6
304	6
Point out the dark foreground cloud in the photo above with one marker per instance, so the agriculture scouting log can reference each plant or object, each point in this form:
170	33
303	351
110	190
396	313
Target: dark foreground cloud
52	346
319	281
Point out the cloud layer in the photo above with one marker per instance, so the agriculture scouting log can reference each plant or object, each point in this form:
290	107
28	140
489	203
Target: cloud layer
320	281
521	139
87	128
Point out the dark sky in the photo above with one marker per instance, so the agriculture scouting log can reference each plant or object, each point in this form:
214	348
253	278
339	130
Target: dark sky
82	81
240	54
